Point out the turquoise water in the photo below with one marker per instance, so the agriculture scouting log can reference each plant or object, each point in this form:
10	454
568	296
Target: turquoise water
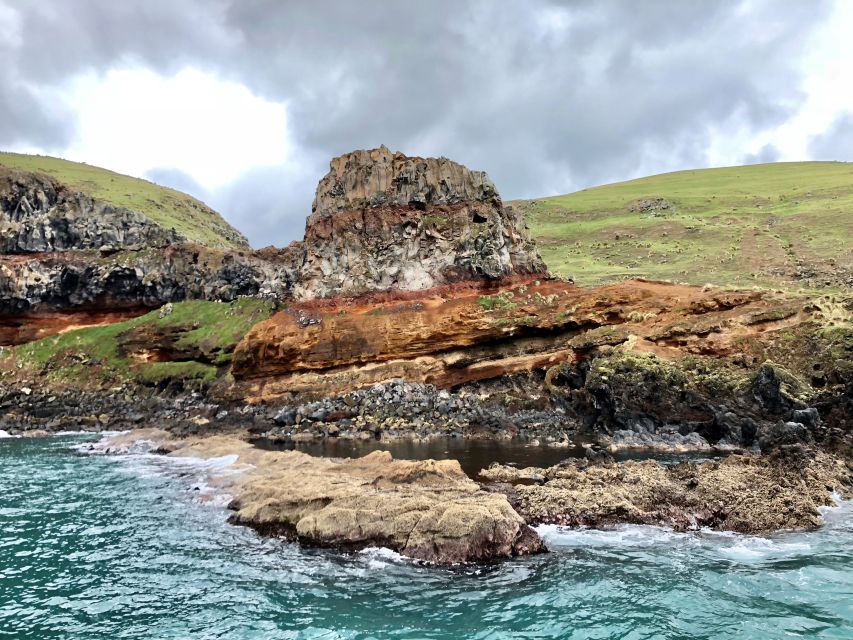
94	547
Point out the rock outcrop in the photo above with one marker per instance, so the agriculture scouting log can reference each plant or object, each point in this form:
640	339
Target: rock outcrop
64	251
38	214
747	494
457	335
87	280
384	221
428	510
380	222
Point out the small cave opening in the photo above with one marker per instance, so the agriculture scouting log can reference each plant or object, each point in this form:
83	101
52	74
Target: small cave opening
479	218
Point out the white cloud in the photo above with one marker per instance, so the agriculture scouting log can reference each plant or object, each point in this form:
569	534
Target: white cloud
827	71
133	120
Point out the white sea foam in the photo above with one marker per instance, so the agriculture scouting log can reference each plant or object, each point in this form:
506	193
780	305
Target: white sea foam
627	535
725	544
219	463
756	548
201	476
6	434
838	513
381	557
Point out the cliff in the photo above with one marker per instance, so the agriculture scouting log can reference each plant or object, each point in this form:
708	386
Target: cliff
383	221
380	222
411	269
417	306
88	243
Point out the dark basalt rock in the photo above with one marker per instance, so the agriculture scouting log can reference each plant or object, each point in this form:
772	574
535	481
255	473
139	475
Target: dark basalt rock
37	214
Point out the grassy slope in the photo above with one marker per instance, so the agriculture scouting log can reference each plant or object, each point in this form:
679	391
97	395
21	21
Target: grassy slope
752	225
169	208
95	354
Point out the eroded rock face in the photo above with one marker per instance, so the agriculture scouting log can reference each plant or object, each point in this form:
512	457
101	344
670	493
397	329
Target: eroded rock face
37	214
383	221
134	279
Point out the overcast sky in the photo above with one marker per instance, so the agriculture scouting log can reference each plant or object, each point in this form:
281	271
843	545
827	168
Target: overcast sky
244	102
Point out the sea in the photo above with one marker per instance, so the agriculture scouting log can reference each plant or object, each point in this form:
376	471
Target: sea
138	546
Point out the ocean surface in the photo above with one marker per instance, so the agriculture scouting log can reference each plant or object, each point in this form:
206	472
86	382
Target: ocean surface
137	547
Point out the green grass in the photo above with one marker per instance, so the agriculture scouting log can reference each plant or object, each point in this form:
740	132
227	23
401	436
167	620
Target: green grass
204	336
502	301
167	207
737	226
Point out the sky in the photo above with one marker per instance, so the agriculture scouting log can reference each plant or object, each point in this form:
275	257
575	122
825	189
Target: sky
242	103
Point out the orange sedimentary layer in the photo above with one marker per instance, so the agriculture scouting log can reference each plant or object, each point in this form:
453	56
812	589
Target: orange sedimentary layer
452	335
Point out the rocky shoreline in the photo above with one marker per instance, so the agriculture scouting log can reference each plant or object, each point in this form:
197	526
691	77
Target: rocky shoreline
416	307
615	400
432	511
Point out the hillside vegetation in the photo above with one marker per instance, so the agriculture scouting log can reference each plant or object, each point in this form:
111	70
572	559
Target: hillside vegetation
191	340
782	225
167	207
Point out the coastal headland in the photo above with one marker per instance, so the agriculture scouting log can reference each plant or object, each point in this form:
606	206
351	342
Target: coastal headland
417	306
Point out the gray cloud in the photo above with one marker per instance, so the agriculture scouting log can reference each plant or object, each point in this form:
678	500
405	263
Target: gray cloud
768	153
176	179
271	203
836	143
545	95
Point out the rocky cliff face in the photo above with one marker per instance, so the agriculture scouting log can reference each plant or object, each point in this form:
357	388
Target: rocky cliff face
37	214
62	250
383	221
86	280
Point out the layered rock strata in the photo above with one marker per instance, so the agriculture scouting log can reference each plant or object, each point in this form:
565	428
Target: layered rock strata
384	221
638	364
449	337
380	222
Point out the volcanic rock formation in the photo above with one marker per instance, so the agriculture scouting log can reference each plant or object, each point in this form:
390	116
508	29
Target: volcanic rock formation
383	221
38	214
380	222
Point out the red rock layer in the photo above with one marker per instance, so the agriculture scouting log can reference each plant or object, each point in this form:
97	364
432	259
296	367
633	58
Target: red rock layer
449	337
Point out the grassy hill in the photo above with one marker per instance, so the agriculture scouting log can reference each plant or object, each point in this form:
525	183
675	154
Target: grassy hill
167	207
782	225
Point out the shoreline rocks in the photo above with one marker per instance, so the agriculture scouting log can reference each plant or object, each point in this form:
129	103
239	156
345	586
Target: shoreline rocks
431	511
427	510
750	494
